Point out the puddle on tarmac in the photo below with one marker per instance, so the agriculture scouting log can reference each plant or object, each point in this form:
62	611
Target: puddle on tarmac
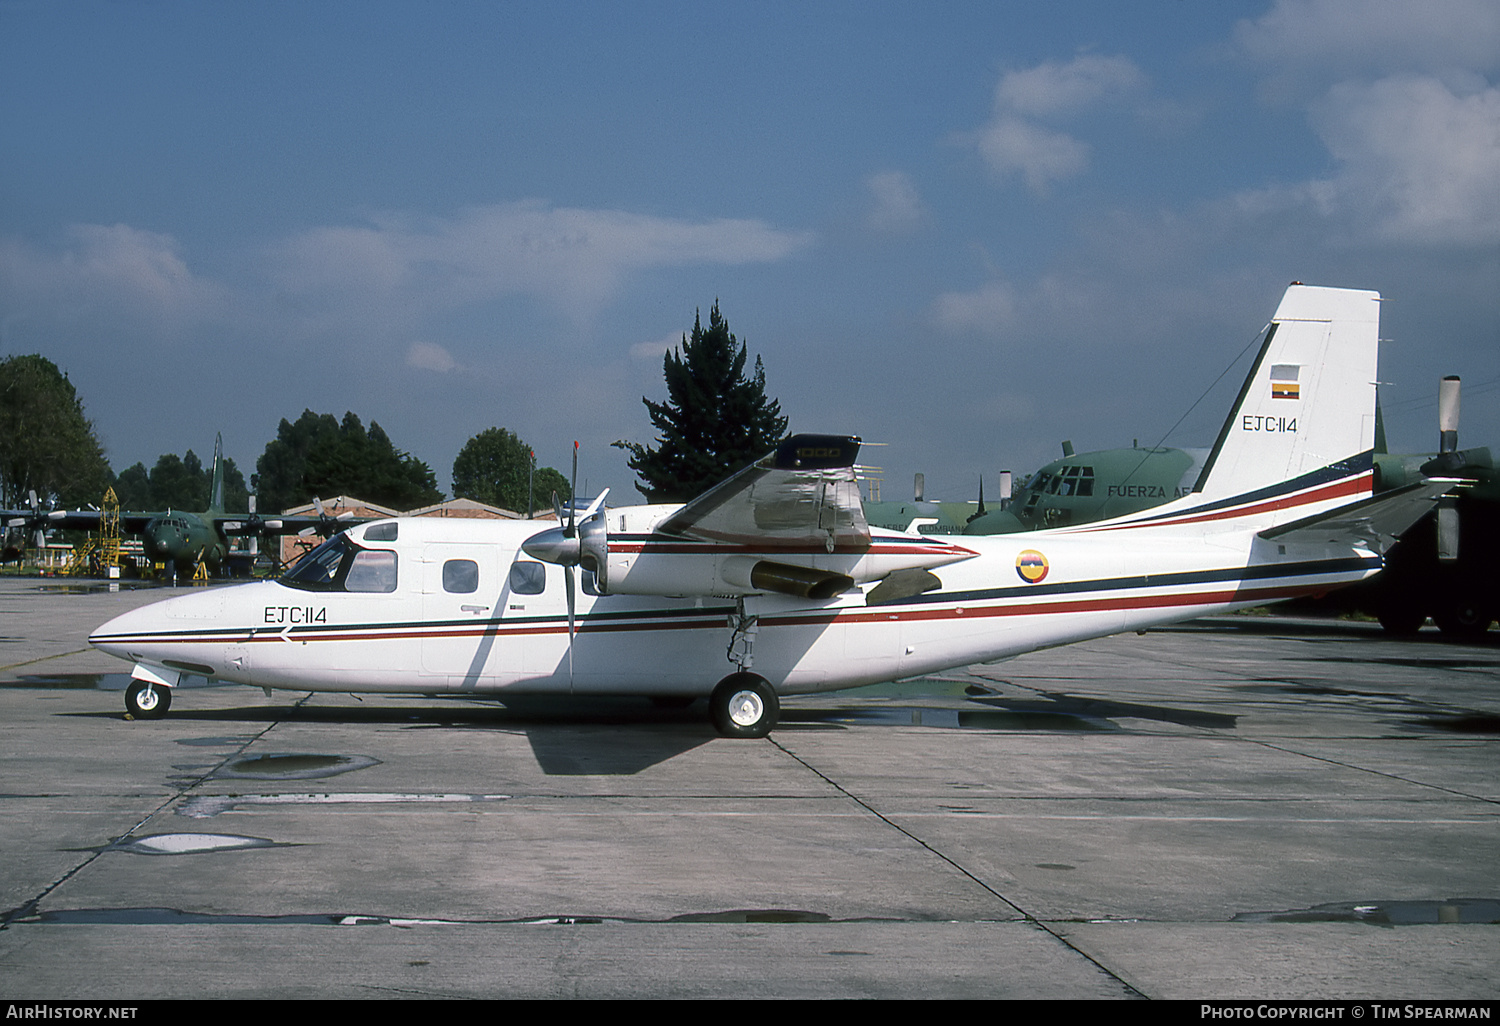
71	681
206	806
188	844
294	766
753	915
1386	913
1471	723
1411	663
974	719
169	917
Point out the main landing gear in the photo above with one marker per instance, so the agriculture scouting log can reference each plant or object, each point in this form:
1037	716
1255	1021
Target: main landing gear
147	701
744	705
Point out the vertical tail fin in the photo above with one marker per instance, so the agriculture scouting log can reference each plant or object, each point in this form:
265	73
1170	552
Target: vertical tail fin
1306	413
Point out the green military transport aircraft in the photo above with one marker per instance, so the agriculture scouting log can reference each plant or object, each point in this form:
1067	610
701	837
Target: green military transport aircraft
1446	566
178	539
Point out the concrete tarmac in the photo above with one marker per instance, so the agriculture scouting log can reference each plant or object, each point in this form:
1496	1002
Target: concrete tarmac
1239	808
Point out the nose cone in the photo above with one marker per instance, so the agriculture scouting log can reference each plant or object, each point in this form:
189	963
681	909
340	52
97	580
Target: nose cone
162	626
118	634
552	546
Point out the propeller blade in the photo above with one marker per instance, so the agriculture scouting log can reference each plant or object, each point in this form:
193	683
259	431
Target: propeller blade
1447	514
1448	414
573	492
594	506
568	577
1447	529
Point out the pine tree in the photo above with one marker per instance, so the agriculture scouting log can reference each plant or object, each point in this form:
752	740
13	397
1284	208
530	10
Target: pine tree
715	421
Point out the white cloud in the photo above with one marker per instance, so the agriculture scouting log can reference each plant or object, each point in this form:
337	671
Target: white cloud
1039	155
1054	89
1326	40
656	349
1398	95
898	206
115	271
572	258
985	310
1016	140
430	356
1417	162
1420	160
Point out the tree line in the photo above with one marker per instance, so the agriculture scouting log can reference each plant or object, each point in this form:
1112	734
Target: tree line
715	420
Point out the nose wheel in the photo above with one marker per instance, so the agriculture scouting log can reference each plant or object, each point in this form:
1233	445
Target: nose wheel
146	701
744	705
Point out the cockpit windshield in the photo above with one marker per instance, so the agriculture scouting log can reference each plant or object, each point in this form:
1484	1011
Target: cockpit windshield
340	565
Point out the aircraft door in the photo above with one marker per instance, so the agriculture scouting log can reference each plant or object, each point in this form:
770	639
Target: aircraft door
463	600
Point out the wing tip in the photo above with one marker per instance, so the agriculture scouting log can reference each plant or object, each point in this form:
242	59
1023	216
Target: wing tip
816	452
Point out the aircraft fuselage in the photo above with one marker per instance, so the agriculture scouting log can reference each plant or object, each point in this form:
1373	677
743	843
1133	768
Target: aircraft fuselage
455	607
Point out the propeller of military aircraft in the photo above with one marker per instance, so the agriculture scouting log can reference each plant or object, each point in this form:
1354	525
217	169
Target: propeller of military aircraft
326	524
37	521
1447	462
582	541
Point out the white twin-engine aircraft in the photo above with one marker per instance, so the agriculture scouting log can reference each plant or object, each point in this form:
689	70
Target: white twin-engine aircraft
773	584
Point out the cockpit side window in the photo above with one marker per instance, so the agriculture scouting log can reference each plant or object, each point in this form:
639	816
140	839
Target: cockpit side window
340	565
371	570
318	570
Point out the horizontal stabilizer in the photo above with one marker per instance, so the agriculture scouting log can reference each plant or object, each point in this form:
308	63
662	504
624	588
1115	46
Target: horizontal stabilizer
1376	522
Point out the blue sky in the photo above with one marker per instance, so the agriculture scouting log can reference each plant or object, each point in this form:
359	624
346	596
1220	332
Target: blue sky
965	230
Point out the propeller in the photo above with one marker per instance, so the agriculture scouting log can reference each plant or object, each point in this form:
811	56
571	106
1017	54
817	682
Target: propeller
37	520
1450	460
254	525
326	524
582	541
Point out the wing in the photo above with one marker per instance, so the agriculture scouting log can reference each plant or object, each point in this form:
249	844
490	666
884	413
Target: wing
801	496
792	522
1376	522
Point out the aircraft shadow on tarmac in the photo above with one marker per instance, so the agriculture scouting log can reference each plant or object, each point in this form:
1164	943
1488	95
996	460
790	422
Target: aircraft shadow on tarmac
569	737
623	736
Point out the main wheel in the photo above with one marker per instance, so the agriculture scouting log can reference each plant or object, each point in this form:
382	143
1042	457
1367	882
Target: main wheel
147	701
744	705
1463	620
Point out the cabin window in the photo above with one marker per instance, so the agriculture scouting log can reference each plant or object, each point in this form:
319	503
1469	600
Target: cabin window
381	532
527	578
461	576
372	570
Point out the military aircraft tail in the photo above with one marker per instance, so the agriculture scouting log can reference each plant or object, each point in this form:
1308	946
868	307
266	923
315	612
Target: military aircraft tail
1305	416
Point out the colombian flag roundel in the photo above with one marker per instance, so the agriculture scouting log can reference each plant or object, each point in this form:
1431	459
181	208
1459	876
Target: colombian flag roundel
1032	566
